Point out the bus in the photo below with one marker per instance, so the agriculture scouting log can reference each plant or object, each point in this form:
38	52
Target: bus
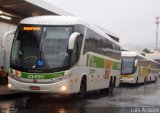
136	68
154	71
63	55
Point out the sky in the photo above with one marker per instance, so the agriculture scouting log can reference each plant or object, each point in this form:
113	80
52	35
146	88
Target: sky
132	20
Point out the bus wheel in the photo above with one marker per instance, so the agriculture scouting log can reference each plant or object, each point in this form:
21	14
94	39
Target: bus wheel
155	79
114	82
145	80
150	81
111	87
137	81
82	90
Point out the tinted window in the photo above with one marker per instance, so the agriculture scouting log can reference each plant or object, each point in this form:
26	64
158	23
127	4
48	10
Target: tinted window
101	45
127	65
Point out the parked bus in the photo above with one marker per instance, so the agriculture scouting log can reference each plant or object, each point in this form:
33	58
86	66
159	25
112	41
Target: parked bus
154	71
154	56
136	68
63	55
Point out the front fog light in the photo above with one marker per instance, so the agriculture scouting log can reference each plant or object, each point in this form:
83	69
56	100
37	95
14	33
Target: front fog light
63	88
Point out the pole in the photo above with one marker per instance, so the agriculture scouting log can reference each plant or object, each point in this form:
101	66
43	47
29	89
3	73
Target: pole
157	22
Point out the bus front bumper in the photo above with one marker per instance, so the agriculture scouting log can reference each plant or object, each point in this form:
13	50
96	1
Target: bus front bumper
127	80
61	87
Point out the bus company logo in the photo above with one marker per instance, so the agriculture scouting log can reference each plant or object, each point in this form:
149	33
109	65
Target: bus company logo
35	81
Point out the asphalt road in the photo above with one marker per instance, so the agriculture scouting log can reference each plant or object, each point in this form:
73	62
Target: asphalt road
126	99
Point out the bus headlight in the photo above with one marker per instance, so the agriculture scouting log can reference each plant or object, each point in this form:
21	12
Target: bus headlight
9	85
63	88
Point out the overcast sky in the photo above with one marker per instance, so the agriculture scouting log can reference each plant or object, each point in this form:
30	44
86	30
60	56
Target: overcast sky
132	20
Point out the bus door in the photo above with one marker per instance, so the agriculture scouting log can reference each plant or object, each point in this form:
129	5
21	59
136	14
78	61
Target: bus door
91	72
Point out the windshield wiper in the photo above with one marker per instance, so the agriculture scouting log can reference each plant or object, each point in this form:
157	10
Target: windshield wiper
41	59
20	52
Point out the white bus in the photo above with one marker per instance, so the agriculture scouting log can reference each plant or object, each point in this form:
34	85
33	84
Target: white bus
136	68
63	55
154	69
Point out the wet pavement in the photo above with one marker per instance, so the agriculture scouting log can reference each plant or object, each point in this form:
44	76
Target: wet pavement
126	99
4	90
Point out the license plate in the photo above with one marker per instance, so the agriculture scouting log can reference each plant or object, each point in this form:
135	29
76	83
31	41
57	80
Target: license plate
34	88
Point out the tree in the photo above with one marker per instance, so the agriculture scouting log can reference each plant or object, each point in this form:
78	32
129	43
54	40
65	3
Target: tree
146	50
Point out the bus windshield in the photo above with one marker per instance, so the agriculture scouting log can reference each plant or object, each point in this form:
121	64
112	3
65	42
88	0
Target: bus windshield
40	47
127	65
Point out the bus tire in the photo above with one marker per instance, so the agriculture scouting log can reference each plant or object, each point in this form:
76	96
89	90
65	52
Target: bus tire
111	87
82	91
145	80
114	84
150	81
155	79
137	81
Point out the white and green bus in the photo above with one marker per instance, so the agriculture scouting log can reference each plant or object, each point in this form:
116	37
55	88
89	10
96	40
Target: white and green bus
136	68
62	55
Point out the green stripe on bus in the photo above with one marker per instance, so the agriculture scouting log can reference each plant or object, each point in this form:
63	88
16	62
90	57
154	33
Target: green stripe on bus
94	61
41	76
99	62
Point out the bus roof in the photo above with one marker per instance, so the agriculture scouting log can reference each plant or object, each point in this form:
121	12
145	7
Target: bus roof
53	20
153	55
64	20
132	53
151	60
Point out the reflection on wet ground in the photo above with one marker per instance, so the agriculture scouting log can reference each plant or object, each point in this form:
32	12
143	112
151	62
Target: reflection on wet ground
124	99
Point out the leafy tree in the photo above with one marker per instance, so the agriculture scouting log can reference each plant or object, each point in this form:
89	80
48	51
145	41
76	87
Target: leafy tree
146	50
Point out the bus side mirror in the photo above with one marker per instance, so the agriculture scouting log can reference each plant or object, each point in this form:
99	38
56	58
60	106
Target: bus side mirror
72	39
136	63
